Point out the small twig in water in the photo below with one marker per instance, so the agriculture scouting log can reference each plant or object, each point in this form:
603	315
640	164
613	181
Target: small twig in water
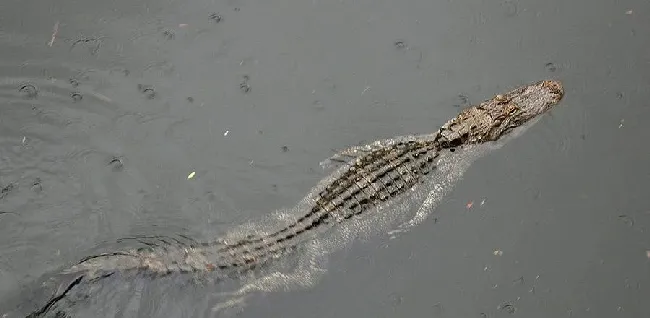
54	32
94	50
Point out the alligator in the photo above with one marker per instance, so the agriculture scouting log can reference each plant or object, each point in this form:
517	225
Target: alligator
371	175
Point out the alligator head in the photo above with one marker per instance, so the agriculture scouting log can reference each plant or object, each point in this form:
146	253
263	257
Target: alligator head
499	115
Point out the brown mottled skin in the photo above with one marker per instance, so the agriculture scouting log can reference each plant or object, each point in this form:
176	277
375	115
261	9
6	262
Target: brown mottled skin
495	117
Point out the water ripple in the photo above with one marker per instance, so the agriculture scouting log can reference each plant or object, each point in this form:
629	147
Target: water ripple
57	134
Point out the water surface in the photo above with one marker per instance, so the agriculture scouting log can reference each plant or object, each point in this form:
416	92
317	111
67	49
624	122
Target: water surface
131	98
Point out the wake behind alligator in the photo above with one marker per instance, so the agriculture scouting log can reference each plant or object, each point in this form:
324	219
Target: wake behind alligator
371	179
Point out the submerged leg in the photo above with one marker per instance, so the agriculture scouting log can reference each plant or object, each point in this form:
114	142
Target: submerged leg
451	167
305	274
348	154
433	197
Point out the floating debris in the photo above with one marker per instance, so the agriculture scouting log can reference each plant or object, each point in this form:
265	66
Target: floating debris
647	254
117	163
508	307
28	90
215	17
5	190
37	185
54	33
76	96
147	90
550	67
169	34
5	212
226	133
244	86
627	220
469	205
191	175
400	44
92	50
629	12
497	252
285	149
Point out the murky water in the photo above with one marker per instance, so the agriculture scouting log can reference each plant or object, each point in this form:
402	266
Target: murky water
106	108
